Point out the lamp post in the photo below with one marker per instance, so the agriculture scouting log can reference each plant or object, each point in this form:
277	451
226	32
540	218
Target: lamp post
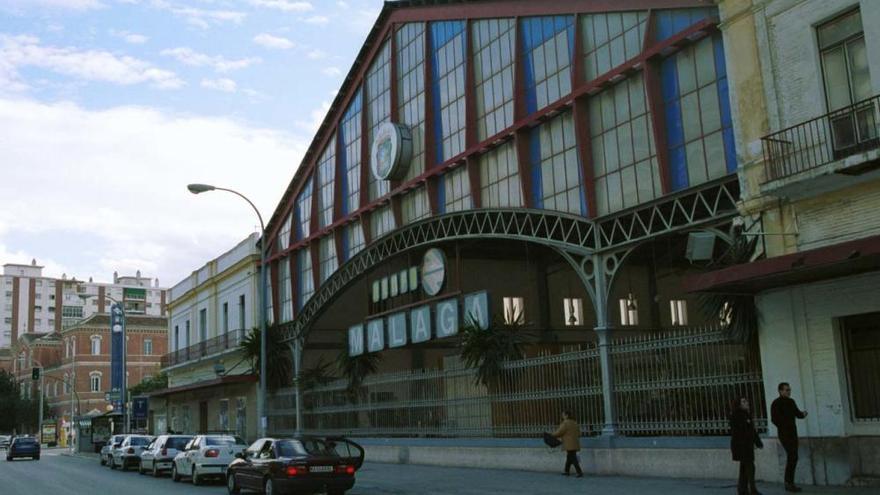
261	394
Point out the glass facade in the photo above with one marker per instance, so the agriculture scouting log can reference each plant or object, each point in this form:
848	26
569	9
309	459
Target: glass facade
448	40
353	240
285	298
556	176
411	90
381	222
327	256
499	178
494	47
624	158
378	109
305	280
350	161
326	175
283	240
548	43
610	40
414	205
456	190
303	211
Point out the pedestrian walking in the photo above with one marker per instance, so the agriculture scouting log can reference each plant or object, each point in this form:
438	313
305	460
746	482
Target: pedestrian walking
783	413
570	434
743	440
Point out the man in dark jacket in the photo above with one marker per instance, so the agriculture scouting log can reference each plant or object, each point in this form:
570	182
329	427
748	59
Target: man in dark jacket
783	412
743	440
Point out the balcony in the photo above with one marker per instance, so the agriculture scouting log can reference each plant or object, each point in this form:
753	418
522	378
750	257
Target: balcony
216	345
832	151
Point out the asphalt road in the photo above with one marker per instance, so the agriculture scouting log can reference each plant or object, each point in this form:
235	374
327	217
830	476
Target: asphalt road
57	474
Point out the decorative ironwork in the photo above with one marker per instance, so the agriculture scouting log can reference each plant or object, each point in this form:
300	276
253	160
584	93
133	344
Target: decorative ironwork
578	237
681	382
226	341
677	382
822	140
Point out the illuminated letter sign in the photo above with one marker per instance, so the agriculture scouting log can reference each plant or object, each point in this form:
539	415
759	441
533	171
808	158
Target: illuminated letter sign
397	330
420	324
447	318
375	335
476	309
356	340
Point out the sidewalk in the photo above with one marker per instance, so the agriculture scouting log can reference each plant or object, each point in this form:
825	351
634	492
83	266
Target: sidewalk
398	479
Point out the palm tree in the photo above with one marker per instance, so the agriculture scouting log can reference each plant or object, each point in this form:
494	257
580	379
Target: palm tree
487	349
279	366
737	312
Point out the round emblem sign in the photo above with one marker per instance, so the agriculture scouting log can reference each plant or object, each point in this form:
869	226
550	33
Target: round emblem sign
391	151
433	271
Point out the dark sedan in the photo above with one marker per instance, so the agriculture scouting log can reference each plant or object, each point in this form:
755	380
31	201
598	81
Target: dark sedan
301	465
23	447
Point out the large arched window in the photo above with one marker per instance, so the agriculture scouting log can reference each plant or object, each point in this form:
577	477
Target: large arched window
96	345
95	381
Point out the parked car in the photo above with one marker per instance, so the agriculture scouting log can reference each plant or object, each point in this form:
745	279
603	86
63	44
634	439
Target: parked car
300	465
114	443
206	456
23	447
129	452
4	441
159	455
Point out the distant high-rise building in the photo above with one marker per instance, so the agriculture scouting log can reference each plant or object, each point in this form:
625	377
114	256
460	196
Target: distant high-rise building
33	303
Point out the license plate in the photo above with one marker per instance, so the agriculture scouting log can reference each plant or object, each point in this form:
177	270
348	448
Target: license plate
321	469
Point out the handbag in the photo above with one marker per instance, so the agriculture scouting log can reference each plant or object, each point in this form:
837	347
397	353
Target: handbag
551	441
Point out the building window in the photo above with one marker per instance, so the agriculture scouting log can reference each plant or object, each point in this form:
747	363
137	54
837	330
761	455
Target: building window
411	94
611	39
629	311
862	341
494	47
381	221
242	320
559	166
95	381
326	175
241	417
847	80
378	81
327	257
306	282
203	325
283	240
148	347
225	317
499	177
456	190
414	205
678	309
350	161
354	238
223	417
573	309
448	57
96	345
548	47
514	311
303	210
176	345
284	290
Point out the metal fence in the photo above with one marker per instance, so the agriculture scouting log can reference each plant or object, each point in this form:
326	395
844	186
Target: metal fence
822	140
681	382
220	343
675	383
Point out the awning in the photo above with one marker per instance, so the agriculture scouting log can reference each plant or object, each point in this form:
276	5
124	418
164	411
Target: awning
217	382
829	262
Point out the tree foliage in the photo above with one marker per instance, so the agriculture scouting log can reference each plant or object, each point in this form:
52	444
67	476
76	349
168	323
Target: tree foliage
487	349
279	365
737	312
17	413
158	382
356	368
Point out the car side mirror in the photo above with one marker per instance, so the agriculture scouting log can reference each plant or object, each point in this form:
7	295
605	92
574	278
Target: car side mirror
239	455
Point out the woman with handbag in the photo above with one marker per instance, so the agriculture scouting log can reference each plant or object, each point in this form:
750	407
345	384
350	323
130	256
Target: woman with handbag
570	434
743	440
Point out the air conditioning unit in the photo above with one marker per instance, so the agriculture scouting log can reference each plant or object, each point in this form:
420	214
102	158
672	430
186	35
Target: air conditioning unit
700	246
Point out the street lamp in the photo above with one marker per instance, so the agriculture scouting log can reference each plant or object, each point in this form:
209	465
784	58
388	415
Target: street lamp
124	385
261	395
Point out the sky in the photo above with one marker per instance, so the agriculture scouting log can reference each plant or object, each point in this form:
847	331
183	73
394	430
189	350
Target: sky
109	108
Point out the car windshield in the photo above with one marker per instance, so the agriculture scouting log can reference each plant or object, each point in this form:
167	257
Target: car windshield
25	440
177	443
138	441
223	441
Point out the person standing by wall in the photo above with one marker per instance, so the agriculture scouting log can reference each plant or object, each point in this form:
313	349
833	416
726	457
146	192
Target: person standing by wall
783	413
570	434
743	440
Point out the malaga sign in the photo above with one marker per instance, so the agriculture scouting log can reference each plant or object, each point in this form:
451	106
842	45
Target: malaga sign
420	324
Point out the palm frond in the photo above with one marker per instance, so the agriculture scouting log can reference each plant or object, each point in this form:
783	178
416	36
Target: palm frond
487	349
737	313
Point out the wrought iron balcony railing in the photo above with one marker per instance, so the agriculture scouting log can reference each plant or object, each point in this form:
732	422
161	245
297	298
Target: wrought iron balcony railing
220	343
822	140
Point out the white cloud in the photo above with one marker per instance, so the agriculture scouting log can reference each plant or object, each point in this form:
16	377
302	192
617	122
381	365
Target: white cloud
191	57
92	65
116	180
222	84
53	4
316	54
275	42
316	117
331	71
201	18
130	38
284	5
319	20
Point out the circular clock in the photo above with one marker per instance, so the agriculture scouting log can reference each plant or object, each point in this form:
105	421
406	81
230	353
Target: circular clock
433	271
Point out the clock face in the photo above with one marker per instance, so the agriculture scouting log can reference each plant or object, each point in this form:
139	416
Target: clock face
391	151
433	271
117	328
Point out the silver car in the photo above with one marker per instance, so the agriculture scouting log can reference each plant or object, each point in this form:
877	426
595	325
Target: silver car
4	441
159	455
129	452
114	443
